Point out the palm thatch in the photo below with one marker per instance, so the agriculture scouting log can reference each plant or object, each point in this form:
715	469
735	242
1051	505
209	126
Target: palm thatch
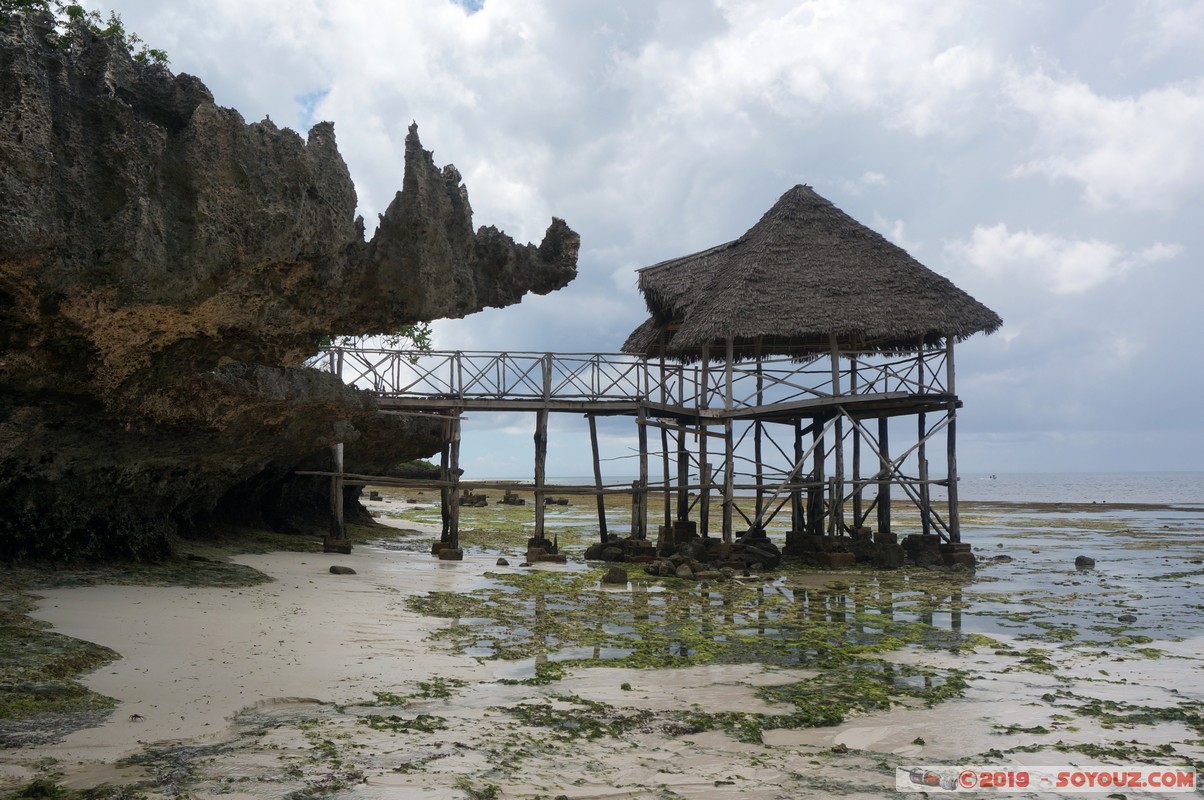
804	273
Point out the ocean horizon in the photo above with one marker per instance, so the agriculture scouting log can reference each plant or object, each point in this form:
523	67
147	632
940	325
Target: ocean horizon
1165	487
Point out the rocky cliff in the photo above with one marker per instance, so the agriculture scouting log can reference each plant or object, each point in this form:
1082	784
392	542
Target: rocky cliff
166	269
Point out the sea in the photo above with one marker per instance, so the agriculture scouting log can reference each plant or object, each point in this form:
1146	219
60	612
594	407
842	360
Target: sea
1158	488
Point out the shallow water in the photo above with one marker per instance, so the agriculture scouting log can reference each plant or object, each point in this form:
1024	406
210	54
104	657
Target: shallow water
1042	688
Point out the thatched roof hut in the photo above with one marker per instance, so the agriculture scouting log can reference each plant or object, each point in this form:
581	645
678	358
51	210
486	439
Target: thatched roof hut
804	273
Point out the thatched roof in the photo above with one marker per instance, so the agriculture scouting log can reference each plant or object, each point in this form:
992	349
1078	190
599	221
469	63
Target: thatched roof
805	272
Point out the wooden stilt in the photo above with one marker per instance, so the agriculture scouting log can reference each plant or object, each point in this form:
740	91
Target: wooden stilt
667	494
884	475
453	468
593	442
858	519
729	494
683	474
729	454
921	454
668	490
798	521
541	455
922	450
758	429
815	492
445	496
338	530
704	468
955	521
635	510
641	416
836	506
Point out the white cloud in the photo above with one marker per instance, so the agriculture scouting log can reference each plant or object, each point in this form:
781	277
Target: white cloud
1063	265
866	180
660	127
1142	151
901	61
1169	24
896	231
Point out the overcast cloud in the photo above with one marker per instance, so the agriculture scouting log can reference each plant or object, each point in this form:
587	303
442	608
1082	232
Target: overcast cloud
1046	157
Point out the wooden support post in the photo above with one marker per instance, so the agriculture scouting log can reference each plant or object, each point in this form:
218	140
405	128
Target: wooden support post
704	468
922	451
815	492
758	428
955	520
798	521
667	494
635	510
683	474
642	430
858	520
885	475
453	466
836	506
729	494
729	454
445	496
338	531
593	442
922	432
541	455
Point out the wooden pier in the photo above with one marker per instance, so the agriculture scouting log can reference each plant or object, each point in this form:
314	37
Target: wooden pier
778	432
770	368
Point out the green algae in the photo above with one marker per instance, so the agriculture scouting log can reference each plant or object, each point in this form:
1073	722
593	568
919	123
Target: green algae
563	621
422	723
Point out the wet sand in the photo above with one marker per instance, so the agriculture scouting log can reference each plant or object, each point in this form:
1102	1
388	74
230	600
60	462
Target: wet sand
254	692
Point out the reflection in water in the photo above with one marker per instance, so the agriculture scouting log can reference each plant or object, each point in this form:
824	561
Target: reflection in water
722	623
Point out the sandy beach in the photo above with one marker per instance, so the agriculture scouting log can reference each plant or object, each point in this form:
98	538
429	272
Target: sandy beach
316	683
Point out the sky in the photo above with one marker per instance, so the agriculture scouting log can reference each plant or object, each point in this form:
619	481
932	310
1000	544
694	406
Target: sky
1048	158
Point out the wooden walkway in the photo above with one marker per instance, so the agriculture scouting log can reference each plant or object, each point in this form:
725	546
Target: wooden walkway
793	425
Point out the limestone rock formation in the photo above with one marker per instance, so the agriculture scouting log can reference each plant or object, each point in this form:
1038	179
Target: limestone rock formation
166	269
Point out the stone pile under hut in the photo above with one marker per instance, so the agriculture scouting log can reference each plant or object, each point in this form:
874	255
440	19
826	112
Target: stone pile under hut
755	551
694	557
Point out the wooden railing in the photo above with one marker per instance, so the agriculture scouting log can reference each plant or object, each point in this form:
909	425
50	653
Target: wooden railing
598	377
